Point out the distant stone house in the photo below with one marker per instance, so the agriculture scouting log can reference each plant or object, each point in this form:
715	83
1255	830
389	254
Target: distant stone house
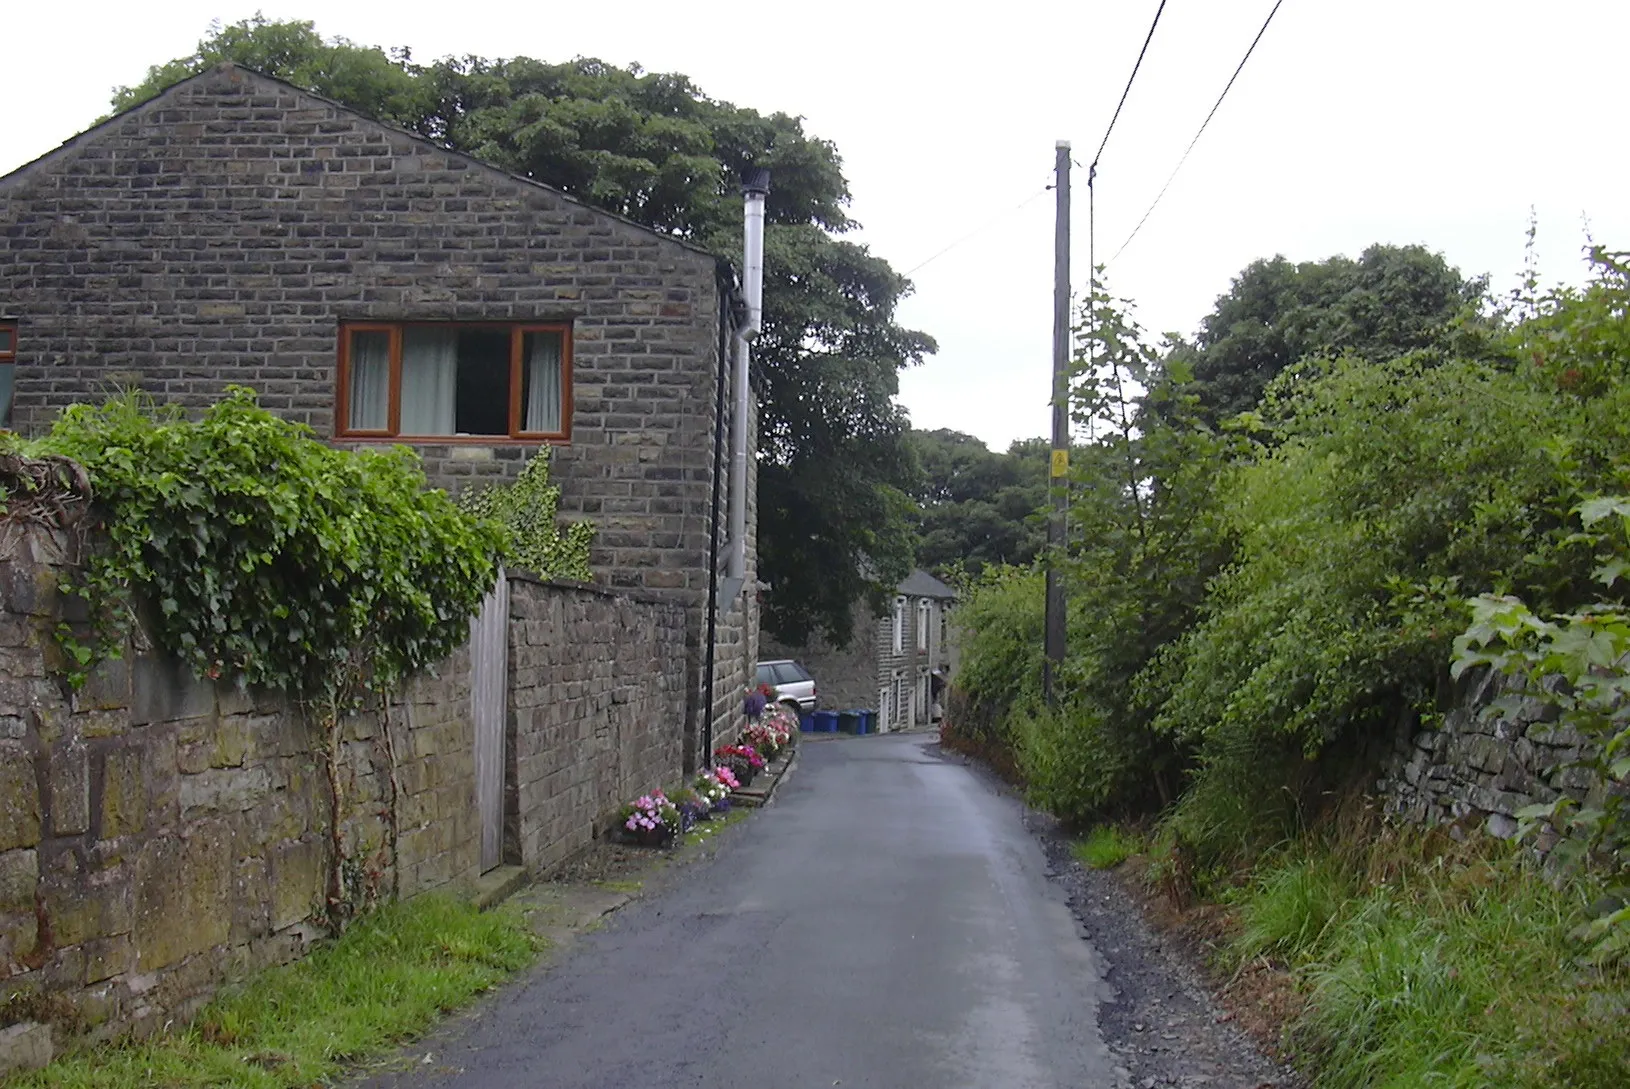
236	230
896	664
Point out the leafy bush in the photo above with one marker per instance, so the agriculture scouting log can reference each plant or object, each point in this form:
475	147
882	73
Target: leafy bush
999	616
251	548
1074	763
1381	494
1577	663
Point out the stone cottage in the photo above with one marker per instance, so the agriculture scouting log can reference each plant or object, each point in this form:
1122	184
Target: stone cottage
896	664
236	230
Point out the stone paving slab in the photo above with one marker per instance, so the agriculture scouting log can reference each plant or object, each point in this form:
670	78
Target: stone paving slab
763	788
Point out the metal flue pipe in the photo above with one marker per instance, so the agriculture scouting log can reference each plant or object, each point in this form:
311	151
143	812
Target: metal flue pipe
754	189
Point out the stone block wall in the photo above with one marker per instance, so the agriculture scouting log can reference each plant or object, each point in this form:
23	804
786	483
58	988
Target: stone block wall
596	711
160	835
1481	769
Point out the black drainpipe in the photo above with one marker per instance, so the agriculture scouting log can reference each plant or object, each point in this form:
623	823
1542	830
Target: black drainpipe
726	282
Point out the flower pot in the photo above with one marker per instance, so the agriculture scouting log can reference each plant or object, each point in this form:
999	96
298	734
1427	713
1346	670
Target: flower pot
650	837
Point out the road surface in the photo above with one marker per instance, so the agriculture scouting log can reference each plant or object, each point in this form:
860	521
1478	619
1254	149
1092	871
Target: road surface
887	923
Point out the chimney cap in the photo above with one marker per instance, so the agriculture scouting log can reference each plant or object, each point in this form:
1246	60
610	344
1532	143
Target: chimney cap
756	182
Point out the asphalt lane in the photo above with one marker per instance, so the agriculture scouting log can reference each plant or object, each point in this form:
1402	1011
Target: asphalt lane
886	923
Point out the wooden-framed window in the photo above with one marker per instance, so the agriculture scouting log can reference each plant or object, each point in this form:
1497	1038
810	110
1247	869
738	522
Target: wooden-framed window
8	370
455	381
899	625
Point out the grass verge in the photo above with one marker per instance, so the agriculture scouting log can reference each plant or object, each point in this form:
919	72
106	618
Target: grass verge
703	831
386	980
1425	963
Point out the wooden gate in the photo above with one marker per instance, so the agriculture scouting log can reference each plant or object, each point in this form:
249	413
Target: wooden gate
489	675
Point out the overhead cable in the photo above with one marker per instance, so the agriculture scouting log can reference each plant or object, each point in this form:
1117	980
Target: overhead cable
1198	134
981	229
1093	169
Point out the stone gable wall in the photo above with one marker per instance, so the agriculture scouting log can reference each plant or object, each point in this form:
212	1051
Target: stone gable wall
220	234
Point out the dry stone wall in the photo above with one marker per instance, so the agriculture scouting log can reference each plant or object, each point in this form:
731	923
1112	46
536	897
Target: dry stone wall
161	835
1501	750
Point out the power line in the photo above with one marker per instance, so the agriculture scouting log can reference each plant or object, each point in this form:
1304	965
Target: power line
1124	92
1198	134
981	229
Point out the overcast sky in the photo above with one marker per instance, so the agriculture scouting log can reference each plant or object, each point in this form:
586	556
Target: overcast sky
1441	122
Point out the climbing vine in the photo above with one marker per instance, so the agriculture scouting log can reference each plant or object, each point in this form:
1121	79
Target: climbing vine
528	508
250	548
247	548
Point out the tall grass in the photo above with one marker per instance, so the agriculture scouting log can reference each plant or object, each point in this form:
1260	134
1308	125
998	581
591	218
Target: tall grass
1429	964
1289	911
1105	847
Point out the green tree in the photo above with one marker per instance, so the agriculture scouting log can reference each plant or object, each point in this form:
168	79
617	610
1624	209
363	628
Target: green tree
978	508
833	468
1392	300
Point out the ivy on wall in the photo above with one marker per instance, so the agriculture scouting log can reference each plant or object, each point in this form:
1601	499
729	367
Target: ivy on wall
247	548
528	508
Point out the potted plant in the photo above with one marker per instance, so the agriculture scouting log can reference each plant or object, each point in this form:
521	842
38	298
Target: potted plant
712	789
744	760
783	723
726	775
651	820
762	738
691	806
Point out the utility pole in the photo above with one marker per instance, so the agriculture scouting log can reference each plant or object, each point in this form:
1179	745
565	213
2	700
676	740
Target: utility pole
1058	475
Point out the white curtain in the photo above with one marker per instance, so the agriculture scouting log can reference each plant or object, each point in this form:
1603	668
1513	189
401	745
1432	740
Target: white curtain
370	390
543	400
429	368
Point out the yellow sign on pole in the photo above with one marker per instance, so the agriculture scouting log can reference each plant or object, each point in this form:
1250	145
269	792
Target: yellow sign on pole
1061	462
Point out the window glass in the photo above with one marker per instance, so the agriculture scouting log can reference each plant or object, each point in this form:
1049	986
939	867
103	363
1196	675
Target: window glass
421	380
787	673
429	377
370	377
766	674
542	379
481	402
8	370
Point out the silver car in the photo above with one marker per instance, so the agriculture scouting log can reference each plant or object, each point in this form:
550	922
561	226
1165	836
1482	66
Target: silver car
792	683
